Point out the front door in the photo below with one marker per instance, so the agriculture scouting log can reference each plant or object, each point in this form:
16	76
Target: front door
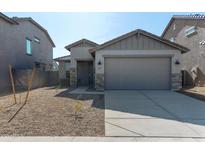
85	73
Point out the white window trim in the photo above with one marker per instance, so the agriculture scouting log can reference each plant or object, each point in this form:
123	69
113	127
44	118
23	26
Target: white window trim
36	39
190	31
172	39
27	39
174	27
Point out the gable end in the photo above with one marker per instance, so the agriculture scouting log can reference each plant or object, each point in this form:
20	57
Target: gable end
138	42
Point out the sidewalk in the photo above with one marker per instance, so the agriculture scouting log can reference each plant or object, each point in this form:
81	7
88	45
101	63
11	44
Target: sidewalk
98	139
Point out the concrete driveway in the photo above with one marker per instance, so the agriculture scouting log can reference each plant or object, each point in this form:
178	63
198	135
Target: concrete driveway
153	113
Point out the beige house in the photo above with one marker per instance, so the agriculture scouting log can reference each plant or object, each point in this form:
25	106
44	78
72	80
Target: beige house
136	60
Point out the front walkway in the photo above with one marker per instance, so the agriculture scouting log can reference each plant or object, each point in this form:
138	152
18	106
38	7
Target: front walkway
153	114
85	90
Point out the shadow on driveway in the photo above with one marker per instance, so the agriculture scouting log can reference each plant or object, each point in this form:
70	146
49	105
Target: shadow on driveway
146	104
154	104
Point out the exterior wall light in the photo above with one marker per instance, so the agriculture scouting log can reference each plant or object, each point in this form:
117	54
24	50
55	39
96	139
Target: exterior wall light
99	62
202	53
177	62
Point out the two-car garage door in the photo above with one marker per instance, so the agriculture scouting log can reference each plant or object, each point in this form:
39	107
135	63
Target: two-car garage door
137	73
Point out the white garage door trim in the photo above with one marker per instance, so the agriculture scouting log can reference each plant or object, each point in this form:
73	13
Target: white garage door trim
165	84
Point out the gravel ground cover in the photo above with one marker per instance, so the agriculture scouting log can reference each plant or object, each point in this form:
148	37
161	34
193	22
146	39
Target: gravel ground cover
51	112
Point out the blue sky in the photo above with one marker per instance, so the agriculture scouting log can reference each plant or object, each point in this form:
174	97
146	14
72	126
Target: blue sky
65	28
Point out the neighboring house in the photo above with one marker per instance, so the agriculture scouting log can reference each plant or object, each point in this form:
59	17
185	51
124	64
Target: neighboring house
63	69
189	31
55	66
23	44
136	60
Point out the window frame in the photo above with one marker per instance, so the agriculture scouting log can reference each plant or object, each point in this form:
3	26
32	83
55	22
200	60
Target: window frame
190	31
174	27
27	53
172	39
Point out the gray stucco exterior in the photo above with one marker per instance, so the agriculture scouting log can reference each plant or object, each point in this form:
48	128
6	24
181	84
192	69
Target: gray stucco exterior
78	54
63	70
79	51
194	60
137	44
13	47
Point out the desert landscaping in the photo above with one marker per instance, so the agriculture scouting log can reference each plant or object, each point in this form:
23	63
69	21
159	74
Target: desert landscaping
52	111
195	92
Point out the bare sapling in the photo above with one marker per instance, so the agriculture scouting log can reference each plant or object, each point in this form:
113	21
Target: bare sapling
78	108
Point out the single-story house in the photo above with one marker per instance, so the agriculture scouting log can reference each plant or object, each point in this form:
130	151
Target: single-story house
63	69
136	60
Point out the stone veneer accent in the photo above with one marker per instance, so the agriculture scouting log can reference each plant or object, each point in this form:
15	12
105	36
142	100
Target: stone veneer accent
73	77
99	81
176	81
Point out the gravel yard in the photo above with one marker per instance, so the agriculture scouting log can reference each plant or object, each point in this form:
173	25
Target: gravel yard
50	112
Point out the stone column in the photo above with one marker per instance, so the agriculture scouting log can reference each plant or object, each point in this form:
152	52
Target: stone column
176	81
73	77
99	81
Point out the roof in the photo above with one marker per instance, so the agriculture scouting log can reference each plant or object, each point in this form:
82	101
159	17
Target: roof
82	41
180	17
139	32
63	59
10	20
36	24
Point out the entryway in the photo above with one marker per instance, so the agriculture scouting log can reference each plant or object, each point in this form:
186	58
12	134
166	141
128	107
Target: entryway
84	73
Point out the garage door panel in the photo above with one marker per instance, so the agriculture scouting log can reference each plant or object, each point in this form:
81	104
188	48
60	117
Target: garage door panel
137	73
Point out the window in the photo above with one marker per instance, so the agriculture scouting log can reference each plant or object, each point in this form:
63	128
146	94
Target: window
36	39
174	27
190	31
172	39
28	47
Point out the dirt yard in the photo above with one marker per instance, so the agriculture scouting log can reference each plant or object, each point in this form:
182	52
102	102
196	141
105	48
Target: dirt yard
196	92
50	112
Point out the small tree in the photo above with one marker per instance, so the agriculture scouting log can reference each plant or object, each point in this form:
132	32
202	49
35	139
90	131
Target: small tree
78	107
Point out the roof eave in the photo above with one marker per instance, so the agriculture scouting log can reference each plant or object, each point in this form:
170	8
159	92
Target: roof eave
58	60
10	20
168	25
177	46
62	60
38	25
46	32
168	42
68	47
